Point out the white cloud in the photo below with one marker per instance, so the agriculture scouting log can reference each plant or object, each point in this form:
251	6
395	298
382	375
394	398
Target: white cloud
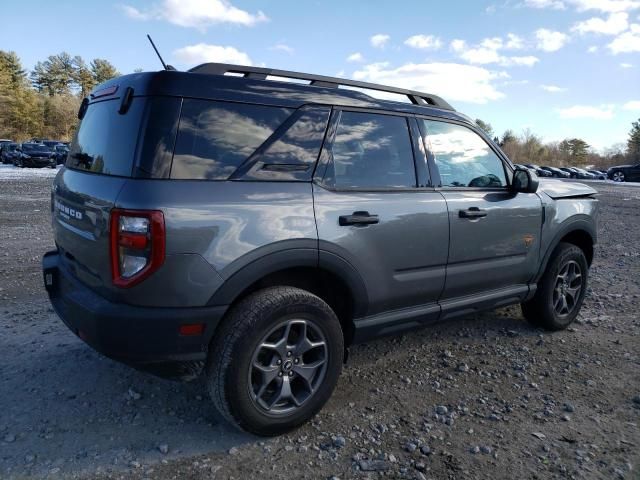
514	42
198	14
592	49
203	52
627	42
608	6
603	112
379	40
355	58
425	42
283	47
488	51
452	81
554	4
550	41
633	105
553	88
614	24
626	65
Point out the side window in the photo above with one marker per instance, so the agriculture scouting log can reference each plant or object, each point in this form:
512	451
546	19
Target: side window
215	138
371	151
463	158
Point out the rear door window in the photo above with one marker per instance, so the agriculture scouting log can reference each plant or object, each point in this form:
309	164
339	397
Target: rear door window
106	140
371	151
215	138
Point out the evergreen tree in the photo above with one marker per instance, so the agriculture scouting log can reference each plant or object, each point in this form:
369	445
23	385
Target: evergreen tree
103	70
633	144
485	126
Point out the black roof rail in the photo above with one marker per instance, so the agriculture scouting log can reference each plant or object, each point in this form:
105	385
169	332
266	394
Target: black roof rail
417	98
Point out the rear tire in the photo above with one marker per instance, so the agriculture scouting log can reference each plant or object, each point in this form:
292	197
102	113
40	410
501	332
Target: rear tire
561	290
275	360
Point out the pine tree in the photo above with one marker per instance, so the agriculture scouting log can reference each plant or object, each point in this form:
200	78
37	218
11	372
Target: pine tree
103	70
633	144
485	126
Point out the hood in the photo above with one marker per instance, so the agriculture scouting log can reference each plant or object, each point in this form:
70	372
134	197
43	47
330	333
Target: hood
557	189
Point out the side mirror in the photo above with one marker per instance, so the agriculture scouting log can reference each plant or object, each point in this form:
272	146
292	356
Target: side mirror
525	181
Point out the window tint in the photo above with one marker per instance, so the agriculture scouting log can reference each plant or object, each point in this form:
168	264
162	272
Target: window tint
106	141
214	138
463	158
160	128
371	151
291	153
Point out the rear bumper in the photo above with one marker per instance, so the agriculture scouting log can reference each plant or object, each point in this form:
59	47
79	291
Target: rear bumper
147	338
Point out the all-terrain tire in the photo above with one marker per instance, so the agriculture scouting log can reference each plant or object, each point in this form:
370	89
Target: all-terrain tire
543	309
232	356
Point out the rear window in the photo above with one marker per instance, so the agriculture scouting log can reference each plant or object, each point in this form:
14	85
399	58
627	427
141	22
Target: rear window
106	140
215	138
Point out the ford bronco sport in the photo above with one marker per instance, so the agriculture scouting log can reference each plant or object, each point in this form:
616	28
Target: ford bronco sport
225	221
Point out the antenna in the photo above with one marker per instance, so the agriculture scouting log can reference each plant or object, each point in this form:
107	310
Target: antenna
164	65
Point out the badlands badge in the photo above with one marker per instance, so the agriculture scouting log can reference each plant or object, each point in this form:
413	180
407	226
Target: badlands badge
528	240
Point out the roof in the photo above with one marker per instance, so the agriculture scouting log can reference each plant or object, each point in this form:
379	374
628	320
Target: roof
206	82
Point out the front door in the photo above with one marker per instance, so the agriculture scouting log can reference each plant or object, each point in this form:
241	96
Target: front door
494	242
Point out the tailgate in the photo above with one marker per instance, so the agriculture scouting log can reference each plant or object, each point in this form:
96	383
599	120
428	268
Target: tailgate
81	205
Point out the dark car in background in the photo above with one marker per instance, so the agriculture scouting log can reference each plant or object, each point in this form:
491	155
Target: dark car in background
539	171
35	155
60	152
599	174
584	174
8	152
624	173
556	172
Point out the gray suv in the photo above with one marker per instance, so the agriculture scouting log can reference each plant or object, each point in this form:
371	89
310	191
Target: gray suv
226	222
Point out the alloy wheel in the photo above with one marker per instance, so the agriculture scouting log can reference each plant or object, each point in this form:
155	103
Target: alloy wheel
568	288
288	366
618	177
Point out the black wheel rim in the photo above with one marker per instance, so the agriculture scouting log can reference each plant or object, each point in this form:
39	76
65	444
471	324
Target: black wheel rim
618	176
568	288
287	367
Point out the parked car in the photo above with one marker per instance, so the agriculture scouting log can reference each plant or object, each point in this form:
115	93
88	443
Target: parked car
8	152
624	173
60	152
584	174
312	219
557	172
539	171
34	155
5	140
598	174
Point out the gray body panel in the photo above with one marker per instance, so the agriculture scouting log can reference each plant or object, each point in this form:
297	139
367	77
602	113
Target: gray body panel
402	258
496	251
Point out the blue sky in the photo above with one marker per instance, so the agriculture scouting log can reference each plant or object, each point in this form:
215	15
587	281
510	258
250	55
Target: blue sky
562	68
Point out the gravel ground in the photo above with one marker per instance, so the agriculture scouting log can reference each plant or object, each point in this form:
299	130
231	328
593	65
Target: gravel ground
482	397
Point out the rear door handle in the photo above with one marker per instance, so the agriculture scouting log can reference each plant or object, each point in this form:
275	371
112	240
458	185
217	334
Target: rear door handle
472	212
358	218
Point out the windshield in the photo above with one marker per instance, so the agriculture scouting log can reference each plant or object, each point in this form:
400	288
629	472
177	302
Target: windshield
34	148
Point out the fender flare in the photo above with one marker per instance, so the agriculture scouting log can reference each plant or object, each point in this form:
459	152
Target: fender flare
568	227
275	261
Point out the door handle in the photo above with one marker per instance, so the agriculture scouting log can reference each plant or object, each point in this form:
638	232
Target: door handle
472	212
358	218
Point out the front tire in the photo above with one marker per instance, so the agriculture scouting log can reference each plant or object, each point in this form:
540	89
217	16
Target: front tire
275	360
561	290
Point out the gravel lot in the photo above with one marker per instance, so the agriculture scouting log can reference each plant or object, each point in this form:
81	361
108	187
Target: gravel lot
482	397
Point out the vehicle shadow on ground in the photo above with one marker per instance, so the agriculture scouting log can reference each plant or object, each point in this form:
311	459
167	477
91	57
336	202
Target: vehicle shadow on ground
66	407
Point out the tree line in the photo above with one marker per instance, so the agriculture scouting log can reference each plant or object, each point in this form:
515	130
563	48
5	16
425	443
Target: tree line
44	102
528	148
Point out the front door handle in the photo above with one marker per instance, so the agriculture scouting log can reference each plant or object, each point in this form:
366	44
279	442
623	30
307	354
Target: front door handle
358	218
472	212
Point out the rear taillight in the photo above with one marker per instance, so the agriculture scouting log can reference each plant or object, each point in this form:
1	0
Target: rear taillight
137	245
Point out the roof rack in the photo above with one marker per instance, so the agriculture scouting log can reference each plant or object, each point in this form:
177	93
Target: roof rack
259	73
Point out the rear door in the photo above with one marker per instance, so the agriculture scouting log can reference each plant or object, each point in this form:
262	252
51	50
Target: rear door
373	210
494	232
